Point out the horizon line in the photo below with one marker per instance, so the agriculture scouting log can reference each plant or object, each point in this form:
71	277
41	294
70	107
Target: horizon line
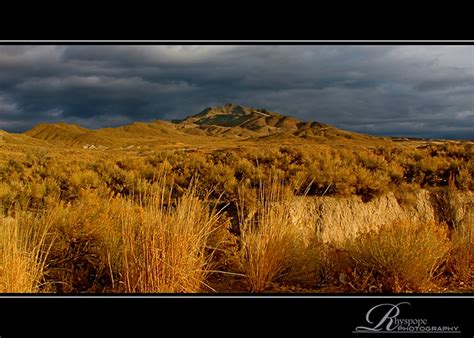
392	136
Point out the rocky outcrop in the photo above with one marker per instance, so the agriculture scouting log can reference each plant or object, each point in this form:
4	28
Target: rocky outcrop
336	219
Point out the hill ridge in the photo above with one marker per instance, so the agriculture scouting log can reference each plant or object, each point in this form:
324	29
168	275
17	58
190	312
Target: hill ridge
231	121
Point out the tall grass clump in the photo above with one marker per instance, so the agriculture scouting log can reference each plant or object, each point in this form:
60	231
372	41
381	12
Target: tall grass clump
23	253
85	255
165	243
401	256
270	232
461	258
460	263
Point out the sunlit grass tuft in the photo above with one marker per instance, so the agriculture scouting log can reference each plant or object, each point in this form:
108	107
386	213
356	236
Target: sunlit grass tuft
165	248
271	235
23	253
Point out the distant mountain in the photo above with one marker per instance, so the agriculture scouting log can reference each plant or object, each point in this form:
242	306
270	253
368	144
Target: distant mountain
246	122
260	121
233	122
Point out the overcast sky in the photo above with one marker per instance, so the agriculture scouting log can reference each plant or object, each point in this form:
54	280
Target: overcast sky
423	91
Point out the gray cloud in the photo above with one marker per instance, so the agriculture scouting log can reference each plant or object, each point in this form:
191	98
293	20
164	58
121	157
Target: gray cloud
447	83
422	91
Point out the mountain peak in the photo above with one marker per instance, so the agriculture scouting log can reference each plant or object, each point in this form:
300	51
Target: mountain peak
234	115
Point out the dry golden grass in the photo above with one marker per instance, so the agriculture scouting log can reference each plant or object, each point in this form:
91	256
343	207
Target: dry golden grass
270	235
86	247
165	249
402	256
460	263
461	259
23	253
145	243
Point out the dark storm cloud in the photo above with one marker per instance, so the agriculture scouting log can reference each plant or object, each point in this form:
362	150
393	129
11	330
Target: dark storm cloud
447	83
399	90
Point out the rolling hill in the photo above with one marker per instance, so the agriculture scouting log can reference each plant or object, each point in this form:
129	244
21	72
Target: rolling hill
69	135
212	125
19	139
